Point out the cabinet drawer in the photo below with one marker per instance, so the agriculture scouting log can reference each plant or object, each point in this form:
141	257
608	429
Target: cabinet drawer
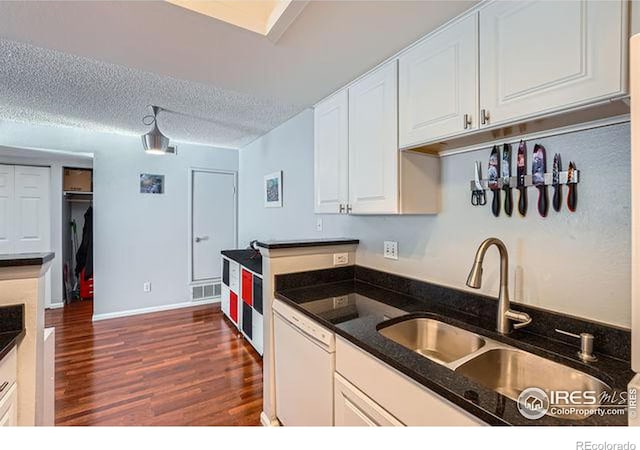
408	401
353	408
8	371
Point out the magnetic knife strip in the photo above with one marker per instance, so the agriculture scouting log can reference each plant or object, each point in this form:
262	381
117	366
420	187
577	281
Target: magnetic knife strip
563	178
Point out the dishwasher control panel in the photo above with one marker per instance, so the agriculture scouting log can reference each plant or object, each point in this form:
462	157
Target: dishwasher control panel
305	324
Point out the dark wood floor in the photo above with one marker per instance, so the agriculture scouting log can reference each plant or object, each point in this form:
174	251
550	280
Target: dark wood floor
181	367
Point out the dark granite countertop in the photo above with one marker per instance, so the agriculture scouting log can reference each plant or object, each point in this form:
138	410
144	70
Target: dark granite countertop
11	327
248	258
485	403
25	259
306	243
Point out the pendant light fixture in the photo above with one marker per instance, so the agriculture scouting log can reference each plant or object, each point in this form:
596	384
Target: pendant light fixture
154	142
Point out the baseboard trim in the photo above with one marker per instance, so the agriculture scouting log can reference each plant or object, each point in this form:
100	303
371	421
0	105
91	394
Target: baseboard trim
152	309
55	305
266	422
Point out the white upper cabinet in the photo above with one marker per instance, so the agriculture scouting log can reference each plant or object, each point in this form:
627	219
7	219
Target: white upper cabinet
331	154
373	142
540	57
438	84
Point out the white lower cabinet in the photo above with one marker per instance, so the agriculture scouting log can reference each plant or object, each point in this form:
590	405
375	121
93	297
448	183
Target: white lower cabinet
352	408
9	408
9	389
388	397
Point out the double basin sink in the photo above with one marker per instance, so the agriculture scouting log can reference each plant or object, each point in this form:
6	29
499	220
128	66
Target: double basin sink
497	366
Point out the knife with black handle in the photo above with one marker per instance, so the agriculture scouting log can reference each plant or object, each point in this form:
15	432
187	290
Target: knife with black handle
572	197
494	175
522	172
538	169
506	179
557	187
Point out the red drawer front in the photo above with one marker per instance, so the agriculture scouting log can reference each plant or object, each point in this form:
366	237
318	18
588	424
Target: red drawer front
233	306
247	287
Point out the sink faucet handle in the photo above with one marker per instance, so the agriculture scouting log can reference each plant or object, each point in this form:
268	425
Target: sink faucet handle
523	319
586	345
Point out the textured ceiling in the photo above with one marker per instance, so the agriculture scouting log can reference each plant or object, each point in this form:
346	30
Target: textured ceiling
47	86
97	64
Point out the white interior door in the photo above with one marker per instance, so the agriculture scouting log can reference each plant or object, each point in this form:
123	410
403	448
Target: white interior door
32	220
213	221
6	208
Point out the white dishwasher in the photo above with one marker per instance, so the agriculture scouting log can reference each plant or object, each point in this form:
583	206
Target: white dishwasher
304	366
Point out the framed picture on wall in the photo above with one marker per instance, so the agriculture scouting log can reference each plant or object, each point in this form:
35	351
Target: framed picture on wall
151	184
273	190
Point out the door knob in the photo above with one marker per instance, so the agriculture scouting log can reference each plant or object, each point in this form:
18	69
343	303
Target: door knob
201	238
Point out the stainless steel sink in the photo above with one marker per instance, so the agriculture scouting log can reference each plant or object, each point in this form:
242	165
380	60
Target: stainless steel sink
510	371
436	340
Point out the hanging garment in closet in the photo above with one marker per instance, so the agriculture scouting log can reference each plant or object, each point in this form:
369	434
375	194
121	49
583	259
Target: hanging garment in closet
84	257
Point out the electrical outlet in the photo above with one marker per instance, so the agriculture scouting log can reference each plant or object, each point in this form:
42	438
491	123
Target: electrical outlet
390	249
340	302
318	223
340	259
146	287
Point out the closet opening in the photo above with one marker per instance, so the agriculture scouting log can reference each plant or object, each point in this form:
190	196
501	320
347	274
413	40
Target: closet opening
77	235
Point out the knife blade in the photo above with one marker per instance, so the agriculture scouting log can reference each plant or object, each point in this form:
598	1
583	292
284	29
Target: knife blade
557	187
538	169
521	173
506	179
494	175
478	197
572	197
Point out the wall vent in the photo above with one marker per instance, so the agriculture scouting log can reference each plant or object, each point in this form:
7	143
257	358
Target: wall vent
205	291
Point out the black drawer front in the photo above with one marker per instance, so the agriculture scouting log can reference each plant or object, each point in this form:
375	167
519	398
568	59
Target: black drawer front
225	271
247	320
257	294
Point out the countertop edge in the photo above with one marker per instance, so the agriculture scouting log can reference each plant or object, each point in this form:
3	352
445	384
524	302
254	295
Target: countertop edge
306	243
25	259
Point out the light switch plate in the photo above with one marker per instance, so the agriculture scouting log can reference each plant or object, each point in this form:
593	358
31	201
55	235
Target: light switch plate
340	259
318	223
146	287
390	249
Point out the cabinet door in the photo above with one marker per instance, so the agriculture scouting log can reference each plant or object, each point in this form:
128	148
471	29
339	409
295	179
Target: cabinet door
233	307
257	339
257	294
247	287
9	408
373	142
537	57
331	154
352	408
225	271
438	84
247	320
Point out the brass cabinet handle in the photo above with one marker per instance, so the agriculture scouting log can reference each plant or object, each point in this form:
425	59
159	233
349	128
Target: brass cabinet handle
466	121
484	116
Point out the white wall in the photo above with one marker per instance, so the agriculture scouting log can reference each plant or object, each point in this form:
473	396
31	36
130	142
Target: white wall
577	263
137	237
